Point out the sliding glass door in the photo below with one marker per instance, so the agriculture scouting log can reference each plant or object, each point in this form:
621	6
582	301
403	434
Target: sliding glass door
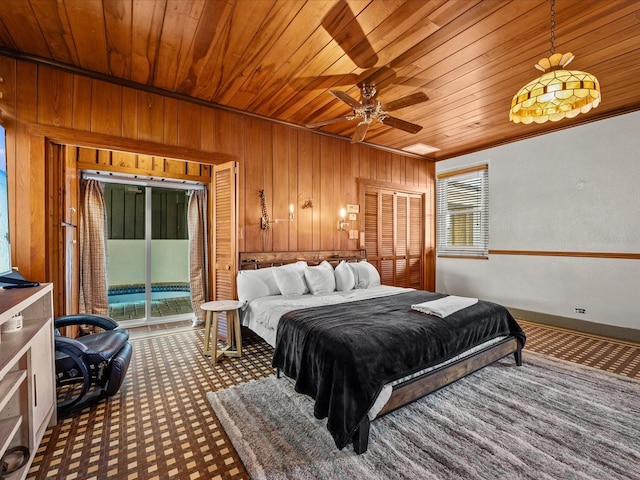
168	252
148	256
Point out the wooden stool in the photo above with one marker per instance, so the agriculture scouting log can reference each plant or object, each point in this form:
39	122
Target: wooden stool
234	336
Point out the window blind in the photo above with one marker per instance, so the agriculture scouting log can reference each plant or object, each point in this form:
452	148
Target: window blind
463	212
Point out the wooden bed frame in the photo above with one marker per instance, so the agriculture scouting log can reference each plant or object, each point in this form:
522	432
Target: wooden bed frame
410	390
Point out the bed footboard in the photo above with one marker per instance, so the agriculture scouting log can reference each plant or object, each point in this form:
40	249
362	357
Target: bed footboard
418	387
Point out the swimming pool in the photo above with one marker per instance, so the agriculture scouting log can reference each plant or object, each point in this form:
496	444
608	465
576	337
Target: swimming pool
136	293
140	297
127	302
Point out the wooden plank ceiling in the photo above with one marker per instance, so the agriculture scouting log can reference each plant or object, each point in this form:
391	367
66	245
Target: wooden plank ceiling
279	58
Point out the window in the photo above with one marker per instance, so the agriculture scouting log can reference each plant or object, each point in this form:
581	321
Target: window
126	210
463	212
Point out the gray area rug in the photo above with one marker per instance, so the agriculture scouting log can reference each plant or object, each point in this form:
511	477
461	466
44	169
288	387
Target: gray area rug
548	419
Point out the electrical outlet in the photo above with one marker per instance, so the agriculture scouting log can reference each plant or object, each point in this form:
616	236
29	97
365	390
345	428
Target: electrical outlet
580	310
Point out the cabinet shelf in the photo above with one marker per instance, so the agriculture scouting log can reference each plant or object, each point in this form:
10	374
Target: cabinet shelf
8	428
15	344
9	384
15	301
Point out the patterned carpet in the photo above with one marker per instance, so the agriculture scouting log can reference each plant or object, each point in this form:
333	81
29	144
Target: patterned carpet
539	421
161	426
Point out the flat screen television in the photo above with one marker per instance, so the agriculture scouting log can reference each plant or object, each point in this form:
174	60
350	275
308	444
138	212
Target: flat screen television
5	246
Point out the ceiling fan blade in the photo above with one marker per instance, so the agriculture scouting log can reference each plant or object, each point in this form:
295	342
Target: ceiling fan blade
346	98
412	99
401	124
328	122
361	131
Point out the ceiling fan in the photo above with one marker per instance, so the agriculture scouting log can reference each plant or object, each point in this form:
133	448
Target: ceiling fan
342	24
370	108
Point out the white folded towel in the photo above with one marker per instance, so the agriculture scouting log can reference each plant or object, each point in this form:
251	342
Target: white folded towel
444	306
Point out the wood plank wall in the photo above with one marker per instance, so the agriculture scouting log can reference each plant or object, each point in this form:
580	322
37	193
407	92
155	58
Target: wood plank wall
292	165
92	159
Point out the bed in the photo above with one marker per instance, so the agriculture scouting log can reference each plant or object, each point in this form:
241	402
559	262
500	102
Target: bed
356	347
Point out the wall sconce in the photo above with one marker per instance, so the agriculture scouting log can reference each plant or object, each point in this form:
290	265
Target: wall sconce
265	221
341	222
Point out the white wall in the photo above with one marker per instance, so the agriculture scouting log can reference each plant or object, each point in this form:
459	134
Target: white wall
577	190
126	259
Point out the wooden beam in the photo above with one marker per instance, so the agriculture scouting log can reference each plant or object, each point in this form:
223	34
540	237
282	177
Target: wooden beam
102	141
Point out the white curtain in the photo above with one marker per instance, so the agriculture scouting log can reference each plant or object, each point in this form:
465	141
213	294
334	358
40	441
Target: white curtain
198	277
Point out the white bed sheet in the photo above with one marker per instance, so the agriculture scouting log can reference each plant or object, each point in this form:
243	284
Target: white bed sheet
262	315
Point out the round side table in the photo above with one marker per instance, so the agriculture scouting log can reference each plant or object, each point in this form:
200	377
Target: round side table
234	336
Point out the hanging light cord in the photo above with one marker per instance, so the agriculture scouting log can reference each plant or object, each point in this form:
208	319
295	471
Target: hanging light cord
553	27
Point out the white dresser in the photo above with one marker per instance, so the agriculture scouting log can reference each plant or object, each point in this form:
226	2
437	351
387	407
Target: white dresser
27	370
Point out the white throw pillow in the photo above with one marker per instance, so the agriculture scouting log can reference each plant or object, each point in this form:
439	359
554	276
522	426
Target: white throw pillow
290	278
345	280
320	279
365	274
254	284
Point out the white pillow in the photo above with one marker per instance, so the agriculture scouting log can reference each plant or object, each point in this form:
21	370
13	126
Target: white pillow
345	280
320	279
290	278
254	284
365	274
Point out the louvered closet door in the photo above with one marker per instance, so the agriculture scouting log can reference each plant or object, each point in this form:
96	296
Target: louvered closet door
224	231
394	241
371	228
415	241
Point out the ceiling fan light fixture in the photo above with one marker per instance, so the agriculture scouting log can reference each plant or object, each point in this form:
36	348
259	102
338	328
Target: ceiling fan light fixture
558	93
420	149
370	108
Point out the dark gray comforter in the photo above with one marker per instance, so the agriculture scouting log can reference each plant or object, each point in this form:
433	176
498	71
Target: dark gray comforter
342	355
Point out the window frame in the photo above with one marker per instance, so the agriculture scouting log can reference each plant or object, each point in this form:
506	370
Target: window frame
444	214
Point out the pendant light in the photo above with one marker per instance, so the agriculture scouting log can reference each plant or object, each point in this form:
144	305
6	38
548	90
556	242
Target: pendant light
558	93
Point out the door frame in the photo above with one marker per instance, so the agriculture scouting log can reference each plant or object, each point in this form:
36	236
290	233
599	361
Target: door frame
428	233
40	137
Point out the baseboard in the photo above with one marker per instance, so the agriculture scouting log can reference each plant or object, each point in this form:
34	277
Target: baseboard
621	333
